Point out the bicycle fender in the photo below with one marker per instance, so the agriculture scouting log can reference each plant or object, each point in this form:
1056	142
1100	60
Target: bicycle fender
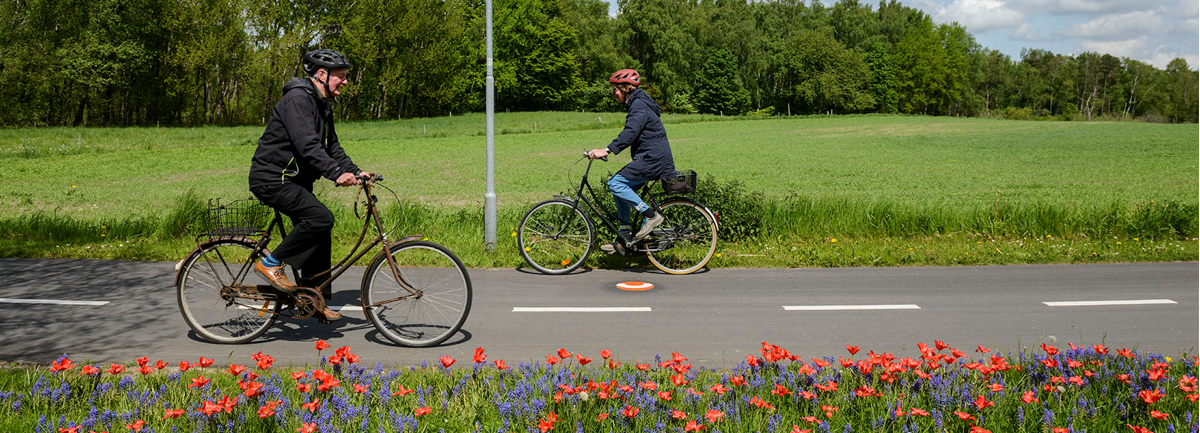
563	197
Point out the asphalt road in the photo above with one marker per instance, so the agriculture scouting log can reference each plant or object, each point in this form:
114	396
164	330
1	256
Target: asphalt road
715	318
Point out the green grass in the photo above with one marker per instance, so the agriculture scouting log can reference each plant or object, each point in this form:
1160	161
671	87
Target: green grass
877	182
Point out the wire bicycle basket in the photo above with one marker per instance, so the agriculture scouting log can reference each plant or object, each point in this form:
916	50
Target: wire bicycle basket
684	182
244	217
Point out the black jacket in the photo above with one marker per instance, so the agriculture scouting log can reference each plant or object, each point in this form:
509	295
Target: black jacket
299	144
644	133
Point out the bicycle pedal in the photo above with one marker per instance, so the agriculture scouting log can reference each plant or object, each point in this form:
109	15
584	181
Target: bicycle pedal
324	321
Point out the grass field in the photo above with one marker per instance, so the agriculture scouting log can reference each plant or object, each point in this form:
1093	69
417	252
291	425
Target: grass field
877	184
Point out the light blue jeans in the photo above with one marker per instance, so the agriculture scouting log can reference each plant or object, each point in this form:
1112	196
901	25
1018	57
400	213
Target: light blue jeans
625	192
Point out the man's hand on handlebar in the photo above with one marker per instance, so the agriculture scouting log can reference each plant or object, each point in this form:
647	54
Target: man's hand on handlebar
601	153
347	179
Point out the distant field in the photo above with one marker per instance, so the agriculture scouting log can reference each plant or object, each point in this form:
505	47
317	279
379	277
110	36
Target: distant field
890	182
115	173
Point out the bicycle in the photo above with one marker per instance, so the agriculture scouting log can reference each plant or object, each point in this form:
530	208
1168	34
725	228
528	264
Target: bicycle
417	293
556	236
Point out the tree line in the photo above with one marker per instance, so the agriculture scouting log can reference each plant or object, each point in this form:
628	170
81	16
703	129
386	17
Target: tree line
201	62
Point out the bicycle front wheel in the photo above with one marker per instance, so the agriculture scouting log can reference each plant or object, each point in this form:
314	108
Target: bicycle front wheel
555	237
688	236
210	301
428	302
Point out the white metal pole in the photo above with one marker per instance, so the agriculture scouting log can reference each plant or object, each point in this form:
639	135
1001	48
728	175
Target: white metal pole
489	200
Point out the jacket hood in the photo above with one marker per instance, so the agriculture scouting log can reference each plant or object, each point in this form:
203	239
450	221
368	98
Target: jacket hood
639	94
297	82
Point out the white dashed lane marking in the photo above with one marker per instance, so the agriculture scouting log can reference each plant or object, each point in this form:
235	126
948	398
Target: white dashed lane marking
53	302
1104	303
851	307
581	309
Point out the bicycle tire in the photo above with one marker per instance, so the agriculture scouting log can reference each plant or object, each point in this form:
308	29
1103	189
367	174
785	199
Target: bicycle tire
555	237
425	320
693	233
202	275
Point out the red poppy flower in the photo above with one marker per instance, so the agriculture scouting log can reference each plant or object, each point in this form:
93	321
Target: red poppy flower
982	403
1126	353
359	388
1187	383
199	382
1150	397
1123	378
172	413
979	348
1194	397
307	427
266	411
679	380
678	414
62	365
995	387
964	416
145	369
500	365
693	426
1029	397
807	395
718	388
184	366
227	404
650	385
403	391
780	390
205	362
321	345
141	362
629	411
606	354
253	389
714	415
236	369
328	384
829	410
866	391
760	403
1137	429
602	417
1076	380
852	349
832	386
737	380
846	363
303	387
642	367
582	359
69	430
796	429
940	345
265	362
209	408
447	361
918	412
312	405
136	425
563	353
88	370
1050	362
664	395
1050	350
1100	349
1159	415
1061	430
978	429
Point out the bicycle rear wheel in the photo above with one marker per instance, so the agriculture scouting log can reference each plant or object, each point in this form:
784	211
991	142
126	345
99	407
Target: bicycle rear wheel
209	302
555	237
691	233
430	301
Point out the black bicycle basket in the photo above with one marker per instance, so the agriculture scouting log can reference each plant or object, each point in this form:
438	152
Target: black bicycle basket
245	217
684	182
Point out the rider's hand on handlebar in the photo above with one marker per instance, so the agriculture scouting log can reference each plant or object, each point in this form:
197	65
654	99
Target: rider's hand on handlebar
601	153
347	179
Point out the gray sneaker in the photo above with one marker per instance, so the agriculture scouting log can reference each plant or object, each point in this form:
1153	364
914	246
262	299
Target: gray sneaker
609	248
649	225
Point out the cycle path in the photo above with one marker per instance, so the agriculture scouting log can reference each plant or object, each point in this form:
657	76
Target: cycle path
117	311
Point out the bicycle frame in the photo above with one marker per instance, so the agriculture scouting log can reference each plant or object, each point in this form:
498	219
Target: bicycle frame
356	253
608	217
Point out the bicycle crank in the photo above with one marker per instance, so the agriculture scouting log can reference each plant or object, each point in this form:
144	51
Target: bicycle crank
308	302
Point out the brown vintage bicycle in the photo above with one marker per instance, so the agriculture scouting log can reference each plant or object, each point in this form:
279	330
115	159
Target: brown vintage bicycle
417	293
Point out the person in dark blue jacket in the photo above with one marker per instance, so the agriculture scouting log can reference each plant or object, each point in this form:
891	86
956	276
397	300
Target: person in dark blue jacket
298	147
651	153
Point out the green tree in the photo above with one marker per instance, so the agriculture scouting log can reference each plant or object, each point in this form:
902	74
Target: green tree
1183	83
829	76
719	88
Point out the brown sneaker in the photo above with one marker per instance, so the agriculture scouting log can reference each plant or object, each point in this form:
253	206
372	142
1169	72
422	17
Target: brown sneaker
330	315
276	276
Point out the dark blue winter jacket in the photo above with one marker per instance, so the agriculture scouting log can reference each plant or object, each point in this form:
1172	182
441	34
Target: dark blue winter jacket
644	133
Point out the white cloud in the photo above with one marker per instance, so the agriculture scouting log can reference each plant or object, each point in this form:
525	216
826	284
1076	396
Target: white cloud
1025	33
1084	6
980	15
1133	48
1116	26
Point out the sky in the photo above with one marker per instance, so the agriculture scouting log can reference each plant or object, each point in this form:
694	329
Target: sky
1152	31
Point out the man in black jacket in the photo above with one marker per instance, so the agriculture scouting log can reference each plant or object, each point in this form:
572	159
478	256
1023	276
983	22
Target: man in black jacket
651	154
298	147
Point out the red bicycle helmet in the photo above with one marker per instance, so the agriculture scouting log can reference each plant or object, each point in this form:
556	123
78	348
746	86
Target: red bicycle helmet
626	76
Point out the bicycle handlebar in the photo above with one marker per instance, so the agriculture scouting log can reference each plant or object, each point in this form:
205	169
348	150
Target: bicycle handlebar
370	178
603	158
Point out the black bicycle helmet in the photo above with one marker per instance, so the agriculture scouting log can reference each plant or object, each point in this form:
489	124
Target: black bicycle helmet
324	58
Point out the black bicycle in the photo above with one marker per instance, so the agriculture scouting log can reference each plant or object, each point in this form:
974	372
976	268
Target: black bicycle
416	293
556	236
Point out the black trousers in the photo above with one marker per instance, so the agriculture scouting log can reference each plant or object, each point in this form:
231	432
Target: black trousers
308	246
